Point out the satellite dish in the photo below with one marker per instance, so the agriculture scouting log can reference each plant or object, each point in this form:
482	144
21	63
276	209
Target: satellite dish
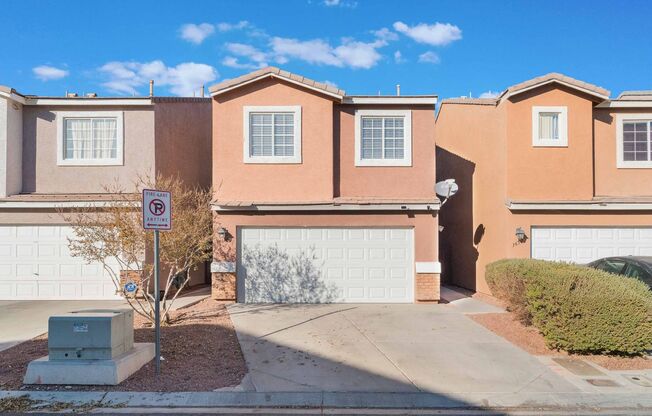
446	188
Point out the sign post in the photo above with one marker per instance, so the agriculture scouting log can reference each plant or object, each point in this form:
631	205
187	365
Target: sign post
157	215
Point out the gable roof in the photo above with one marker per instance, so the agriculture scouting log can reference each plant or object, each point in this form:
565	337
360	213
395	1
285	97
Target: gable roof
644	95
555	77
273	72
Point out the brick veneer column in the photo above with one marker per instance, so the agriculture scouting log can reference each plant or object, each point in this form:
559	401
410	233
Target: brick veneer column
427	287
223	286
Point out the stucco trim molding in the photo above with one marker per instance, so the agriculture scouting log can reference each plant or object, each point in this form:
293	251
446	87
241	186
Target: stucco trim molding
328	207
579	206
66	204
425	267
223	267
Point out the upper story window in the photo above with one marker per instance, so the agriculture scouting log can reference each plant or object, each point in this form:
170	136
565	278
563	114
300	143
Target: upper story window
89	138
272	134
549	126
383	138
634	140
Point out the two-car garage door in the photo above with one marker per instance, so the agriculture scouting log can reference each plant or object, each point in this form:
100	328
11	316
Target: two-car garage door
585	244
35	264
310	265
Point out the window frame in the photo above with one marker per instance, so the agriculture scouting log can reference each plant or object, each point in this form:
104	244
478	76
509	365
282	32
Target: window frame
621	163
61	148
248	158
562	124
407	137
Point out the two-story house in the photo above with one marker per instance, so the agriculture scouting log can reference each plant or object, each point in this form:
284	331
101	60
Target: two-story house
59	152
321	196
550	169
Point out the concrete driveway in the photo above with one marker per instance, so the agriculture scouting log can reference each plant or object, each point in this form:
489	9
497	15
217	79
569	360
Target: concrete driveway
382	348
26	319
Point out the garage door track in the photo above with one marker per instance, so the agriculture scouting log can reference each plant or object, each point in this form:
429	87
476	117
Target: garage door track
381	348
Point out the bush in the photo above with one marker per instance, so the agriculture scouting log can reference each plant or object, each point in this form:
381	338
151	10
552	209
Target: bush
576	308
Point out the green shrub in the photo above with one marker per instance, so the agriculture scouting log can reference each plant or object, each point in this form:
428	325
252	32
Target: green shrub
576	308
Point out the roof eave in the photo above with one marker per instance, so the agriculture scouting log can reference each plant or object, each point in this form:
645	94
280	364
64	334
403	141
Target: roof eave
214	91
509	94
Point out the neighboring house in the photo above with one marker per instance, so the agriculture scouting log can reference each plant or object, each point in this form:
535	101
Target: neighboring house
58	152
321	196
551	169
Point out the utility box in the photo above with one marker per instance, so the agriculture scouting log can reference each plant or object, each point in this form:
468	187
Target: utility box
98	334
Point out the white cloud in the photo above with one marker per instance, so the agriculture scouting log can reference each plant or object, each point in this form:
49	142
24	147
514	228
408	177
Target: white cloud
196	33
429	57
385	34
330	83
248	51
183	79
227	27
350	53
47	73
489	94
398	57
341	3
232	62
438	34
332	2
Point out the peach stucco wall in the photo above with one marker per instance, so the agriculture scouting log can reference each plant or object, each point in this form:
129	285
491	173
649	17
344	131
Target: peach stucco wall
549	173
610	180
311	180
414	181
488	149
41	173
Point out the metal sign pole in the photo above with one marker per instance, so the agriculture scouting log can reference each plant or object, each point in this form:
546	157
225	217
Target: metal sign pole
157	306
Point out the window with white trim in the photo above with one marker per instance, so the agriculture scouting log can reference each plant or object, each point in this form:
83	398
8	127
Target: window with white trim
383	138
89	138
549	126
272	134
634	140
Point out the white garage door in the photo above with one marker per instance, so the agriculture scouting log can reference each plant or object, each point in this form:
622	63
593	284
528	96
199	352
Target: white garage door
35	264
309	265
583	245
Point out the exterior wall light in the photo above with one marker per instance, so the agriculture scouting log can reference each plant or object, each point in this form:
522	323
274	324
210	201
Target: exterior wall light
222	232
520	235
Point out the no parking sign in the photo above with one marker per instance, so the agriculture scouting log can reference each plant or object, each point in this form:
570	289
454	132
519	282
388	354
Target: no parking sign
157	210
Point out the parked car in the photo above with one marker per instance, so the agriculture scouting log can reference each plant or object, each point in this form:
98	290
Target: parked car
632	266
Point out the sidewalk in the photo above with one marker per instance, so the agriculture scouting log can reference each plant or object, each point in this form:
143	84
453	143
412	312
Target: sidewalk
137	402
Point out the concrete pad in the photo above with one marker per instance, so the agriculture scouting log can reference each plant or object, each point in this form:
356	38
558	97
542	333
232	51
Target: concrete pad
578	367
382	348
466	304
89	372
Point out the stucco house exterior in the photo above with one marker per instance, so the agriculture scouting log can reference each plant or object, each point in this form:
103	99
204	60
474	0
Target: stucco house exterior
551	169
58	152
322	196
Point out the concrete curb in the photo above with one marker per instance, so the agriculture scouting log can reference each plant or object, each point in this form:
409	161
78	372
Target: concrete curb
326	400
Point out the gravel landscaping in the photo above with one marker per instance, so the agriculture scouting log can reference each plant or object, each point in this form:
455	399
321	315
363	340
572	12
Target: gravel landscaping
200	348
529	339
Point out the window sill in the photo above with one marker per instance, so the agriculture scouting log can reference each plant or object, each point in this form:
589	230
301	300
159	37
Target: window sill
271	160
634	165
90	163
543	143
383	162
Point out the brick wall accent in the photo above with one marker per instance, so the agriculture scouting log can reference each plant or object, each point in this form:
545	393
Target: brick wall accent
223	286
427	287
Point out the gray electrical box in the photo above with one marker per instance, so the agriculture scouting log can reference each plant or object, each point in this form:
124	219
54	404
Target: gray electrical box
97	334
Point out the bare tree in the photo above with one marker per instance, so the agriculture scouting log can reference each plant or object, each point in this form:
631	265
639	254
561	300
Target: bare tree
113	235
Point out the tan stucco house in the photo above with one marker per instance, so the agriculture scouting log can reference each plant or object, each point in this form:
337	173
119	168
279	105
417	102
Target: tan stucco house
58	152
322	196
551	169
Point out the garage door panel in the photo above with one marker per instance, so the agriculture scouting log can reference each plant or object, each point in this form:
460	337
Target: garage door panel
35	263
350	264
585	244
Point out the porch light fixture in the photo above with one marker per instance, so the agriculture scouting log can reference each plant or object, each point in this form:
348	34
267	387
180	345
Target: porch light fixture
520	235
222	232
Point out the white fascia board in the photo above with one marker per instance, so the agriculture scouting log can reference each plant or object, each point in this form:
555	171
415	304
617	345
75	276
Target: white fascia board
575	87
62	204
330	207
14	97
89	101
425	100
290	80
423	267
625	104
569	206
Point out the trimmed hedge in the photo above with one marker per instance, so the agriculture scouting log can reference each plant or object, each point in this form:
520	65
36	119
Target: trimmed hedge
576	308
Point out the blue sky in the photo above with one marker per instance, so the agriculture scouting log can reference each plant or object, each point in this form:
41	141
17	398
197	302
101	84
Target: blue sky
364	47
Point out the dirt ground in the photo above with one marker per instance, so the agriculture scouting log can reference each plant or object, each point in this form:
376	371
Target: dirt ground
200	348
529	339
